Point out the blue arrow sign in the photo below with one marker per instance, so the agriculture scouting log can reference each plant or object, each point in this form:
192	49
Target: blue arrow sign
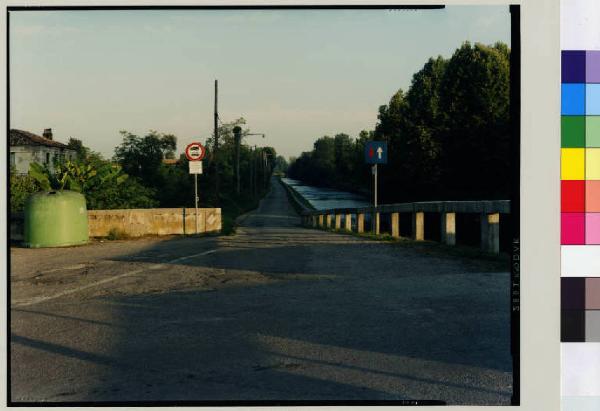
376	152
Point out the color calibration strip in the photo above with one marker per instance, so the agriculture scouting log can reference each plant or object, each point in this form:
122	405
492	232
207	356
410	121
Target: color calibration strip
580	153
580	163
580	205
580	304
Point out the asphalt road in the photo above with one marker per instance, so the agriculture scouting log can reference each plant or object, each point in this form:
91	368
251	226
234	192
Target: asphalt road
275	312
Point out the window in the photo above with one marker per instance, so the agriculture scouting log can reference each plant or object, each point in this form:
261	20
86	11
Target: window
47	158
13	161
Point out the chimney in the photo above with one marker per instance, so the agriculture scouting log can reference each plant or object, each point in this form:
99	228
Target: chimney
47	133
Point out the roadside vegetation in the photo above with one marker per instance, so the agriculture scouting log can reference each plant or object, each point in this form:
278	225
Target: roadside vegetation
448	135
138	177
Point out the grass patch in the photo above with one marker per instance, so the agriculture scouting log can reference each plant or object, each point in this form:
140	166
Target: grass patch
116	234
468	254
234	206
228	223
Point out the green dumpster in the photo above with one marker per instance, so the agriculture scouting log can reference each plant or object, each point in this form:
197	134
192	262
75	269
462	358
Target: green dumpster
55	219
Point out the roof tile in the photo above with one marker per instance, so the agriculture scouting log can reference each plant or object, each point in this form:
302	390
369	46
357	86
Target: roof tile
25	138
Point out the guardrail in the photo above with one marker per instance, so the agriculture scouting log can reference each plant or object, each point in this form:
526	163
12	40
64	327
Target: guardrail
489	212
297	201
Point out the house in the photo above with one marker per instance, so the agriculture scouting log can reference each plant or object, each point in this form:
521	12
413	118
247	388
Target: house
27	148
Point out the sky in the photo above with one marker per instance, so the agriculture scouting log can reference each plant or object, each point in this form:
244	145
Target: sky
294	75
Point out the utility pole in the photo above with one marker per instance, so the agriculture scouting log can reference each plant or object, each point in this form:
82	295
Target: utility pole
237	136
251	170
252	155
259	167
216	150
265	165
264	168
255	175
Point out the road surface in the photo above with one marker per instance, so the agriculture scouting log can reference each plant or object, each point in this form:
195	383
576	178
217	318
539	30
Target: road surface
274	312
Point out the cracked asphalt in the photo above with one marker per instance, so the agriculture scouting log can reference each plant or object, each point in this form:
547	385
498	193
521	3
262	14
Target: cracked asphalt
274	312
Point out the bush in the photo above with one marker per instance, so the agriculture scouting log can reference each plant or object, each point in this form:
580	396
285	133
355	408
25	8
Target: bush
116	234
104	185
21	187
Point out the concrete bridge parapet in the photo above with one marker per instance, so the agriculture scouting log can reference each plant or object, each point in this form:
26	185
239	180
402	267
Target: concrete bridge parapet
489	211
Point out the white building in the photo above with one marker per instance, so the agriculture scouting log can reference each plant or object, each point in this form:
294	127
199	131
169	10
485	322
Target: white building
27	148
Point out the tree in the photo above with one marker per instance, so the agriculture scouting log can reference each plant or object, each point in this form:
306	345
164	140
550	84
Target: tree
342	144
474	101
410	123
76	145
281	165
448	134
142	156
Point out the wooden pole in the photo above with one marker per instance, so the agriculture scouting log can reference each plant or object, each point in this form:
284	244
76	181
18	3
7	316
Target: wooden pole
237	134
215	154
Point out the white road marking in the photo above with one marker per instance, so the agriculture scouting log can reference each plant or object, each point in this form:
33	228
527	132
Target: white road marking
38	300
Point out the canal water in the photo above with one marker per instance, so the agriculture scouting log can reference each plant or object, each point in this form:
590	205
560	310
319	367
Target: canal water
327	198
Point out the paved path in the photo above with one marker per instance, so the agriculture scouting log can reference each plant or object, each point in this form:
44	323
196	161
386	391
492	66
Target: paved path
275	312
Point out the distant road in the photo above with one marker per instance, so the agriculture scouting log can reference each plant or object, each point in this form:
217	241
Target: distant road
274	312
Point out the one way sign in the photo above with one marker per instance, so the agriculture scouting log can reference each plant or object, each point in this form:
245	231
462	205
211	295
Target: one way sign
376	152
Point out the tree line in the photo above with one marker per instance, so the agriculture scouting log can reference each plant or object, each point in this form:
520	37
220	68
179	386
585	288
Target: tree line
448	135
138	177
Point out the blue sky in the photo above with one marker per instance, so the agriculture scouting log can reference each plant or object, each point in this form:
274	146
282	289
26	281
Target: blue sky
295	75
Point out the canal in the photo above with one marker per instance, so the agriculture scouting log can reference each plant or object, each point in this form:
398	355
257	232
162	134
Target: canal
327	198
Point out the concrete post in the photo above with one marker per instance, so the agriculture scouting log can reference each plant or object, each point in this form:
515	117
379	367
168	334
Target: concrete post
314	221
376	223
448	227
321	220
338	221
328	218
348	222
360	223
490	233
396	225
418	225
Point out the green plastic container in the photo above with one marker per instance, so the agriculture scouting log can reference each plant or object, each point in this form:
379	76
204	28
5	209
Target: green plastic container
56	219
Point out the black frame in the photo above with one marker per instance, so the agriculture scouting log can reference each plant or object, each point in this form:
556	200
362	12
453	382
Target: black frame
515	122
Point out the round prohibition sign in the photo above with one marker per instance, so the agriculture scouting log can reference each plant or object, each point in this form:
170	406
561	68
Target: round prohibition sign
195	151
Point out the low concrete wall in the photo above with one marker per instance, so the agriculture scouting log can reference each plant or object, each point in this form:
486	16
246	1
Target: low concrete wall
154	221
140	222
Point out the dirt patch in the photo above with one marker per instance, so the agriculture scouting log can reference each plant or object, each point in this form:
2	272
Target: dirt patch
185	278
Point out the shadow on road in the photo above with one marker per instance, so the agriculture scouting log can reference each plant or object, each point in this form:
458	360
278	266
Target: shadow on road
276	312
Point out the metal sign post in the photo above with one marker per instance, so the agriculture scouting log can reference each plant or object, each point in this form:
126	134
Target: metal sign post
195	153
375	153
196	197
375	178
